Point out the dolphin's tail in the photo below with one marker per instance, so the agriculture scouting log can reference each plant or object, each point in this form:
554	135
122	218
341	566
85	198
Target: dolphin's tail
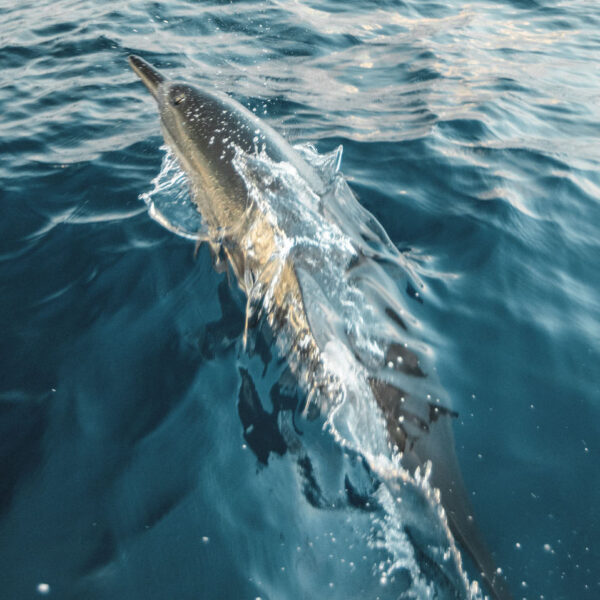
425	434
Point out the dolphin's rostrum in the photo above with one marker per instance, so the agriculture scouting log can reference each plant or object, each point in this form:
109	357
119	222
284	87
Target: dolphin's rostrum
207	130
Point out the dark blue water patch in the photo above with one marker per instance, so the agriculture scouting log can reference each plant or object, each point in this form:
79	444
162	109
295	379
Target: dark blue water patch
464	129
508	84
14	56
23	420
447	187
68	49
56	29
51	196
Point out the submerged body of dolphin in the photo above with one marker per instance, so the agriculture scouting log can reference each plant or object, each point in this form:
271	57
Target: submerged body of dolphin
207	130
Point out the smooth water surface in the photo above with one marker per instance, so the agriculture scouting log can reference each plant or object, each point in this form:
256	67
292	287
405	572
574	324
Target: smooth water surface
143	453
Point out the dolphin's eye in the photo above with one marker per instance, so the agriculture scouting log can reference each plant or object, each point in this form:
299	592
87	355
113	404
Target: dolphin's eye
178	99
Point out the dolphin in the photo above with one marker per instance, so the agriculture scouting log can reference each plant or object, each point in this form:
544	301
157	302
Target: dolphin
206	129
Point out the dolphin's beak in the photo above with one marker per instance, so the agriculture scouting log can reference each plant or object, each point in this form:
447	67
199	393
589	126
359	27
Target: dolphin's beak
147	73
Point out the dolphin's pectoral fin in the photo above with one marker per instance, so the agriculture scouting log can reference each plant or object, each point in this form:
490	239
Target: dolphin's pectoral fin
422	431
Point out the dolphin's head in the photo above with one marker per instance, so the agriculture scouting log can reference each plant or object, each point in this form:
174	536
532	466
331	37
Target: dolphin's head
197	122
151	78
176	101
175	97
205	129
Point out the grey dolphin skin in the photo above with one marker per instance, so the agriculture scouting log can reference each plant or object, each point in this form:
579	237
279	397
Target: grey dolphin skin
203	129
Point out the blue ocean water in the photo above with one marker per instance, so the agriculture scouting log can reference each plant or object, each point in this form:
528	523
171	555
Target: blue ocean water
127	467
